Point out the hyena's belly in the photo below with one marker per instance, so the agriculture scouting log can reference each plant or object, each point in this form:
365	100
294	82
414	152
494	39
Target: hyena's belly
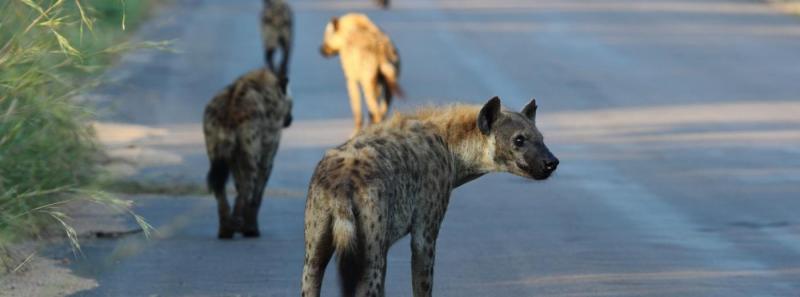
400	211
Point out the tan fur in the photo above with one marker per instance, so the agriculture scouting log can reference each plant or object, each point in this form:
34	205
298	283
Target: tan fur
456	123
370	63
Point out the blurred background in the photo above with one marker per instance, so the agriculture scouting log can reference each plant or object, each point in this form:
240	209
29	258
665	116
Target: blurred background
677	123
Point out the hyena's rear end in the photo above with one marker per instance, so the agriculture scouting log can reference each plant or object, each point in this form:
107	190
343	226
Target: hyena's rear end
242	127
395	178
276	33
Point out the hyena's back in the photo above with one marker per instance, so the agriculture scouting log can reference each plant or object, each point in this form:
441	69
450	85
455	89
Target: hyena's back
276	23
242	110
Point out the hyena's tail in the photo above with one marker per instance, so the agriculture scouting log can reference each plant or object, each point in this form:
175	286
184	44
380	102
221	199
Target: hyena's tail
349	255
386	89
389	72
217	176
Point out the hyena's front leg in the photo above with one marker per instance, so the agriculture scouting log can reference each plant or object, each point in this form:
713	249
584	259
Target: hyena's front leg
355	103
245	176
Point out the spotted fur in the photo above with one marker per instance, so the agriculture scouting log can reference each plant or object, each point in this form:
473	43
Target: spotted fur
396	178
242	126
276	33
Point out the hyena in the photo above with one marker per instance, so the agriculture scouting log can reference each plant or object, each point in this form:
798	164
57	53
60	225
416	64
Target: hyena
396	178
383	3
242	126
369	61
276	32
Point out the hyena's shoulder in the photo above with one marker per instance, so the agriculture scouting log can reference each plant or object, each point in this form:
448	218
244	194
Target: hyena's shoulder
381	150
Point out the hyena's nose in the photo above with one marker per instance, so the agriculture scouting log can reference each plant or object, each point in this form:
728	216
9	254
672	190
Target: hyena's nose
550	165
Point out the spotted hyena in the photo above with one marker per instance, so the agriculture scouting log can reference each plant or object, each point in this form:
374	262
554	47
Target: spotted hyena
276	32
370	62
383	3
395	178
242	127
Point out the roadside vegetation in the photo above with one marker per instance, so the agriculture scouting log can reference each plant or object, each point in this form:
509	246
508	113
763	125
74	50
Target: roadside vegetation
51	51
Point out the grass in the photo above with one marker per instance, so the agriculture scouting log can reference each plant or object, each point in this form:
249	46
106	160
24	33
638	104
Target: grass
50	51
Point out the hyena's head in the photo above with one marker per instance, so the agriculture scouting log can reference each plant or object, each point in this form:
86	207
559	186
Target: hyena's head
518	145
333	40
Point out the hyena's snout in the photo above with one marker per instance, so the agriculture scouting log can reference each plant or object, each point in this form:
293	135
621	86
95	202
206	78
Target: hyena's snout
539	165
549	163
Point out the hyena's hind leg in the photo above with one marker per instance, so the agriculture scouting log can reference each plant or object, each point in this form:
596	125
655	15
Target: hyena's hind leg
385	95
319	249
286	53
219	146
217	179
245	175
373	276
355	104
371	98
269	55
250	228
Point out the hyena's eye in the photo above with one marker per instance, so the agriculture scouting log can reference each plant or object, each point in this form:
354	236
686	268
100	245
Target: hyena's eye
519	141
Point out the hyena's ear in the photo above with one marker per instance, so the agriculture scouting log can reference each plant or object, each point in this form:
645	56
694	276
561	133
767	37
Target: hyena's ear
488	115
335	23
529	110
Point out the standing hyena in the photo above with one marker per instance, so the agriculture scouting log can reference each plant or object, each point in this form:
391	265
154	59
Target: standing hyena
383	3
369	61
242	127
276	32
396	178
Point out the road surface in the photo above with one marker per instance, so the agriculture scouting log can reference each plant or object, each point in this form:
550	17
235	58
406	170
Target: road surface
677	123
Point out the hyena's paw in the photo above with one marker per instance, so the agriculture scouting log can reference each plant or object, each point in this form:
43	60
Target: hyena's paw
251	232
227	228
225	232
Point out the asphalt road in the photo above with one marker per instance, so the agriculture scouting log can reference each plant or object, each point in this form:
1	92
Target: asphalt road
677	124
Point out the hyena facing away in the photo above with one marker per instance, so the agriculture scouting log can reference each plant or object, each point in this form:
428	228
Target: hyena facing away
395	178
383	3
369	61
242	127
276	32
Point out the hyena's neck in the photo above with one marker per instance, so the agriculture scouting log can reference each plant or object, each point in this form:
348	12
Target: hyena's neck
471	150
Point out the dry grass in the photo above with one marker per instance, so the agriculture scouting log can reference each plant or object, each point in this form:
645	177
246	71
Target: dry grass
51	50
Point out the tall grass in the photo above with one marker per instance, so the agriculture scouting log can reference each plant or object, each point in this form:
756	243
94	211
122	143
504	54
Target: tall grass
50	51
